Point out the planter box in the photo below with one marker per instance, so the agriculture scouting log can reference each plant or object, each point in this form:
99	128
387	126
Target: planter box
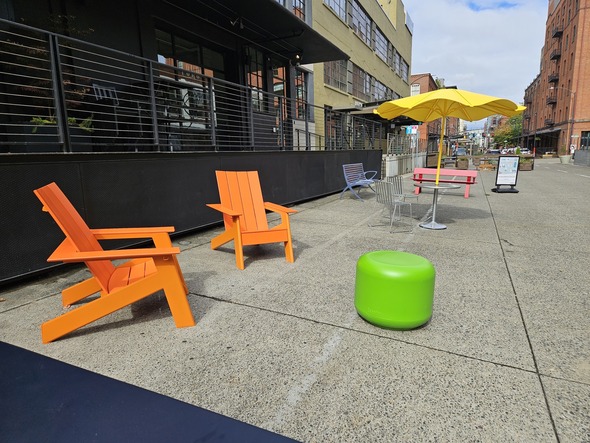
431	160
528	166
45	138
462	164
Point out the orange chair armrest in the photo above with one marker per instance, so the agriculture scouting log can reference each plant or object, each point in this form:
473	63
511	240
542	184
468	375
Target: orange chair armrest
278	208
64	253
224	209
113	233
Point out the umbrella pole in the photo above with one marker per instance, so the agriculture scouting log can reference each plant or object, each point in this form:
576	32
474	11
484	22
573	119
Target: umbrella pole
440	148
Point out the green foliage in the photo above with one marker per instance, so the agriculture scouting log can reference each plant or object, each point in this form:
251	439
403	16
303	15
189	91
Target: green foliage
58	23
85	124
510	132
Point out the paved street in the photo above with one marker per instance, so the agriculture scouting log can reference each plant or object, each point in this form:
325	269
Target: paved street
505	358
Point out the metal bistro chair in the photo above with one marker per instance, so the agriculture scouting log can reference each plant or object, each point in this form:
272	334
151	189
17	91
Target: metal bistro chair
385	194
398	183
123	115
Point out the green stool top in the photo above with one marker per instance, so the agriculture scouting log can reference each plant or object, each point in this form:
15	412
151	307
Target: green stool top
394	289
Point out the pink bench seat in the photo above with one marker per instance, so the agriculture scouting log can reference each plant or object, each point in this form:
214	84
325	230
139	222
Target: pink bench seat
458	176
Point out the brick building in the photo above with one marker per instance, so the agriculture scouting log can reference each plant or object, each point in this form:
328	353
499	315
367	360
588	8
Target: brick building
430	132
558	99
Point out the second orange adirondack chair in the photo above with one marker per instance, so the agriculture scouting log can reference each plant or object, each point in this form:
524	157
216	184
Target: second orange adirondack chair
148	271
244	215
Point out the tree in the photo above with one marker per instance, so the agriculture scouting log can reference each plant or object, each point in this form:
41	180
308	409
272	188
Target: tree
509	133
440	83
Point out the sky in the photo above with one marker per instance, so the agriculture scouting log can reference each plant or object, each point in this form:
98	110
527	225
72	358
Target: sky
486	46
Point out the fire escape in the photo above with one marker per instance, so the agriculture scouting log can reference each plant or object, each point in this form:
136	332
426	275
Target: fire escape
553	77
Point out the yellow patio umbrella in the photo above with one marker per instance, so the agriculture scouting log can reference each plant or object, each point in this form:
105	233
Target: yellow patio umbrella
443	103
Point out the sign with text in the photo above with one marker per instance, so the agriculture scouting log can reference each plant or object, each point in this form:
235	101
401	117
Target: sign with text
507	171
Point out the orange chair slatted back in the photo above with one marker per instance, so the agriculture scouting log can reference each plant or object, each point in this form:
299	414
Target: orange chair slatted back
240	191
76	230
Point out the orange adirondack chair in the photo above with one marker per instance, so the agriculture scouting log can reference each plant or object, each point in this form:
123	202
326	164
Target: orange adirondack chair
148	271
244	215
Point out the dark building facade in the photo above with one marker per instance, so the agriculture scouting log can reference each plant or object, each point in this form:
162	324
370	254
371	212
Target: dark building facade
131	106
153	75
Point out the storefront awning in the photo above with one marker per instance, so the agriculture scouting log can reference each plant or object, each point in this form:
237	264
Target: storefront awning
269	25
546	131
367	112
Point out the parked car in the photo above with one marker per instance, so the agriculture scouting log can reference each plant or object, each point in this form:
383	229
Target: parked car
459	152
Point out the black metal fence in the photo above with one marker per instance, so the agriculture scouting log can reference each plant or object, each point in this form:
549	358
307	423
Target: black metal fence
59	94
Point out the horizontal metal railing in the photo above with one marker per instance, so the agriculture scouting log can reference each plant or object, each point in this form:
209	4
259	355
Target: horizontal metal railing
405	144
59	94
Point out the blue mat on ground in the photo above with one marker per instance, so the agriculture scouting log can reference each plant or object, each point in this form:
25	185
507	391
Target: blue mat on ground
45	400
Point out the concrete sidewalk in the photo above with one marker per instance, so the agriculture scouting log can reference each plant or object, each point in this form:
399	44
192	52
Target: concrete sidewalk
280	346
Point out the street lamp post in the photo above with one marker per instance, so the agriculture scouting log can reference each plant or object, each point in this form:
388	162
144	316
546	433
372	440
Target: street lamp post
571	116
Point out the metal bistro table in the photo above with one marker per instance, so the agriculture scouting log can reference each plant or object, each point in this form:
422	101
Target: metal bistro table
433	224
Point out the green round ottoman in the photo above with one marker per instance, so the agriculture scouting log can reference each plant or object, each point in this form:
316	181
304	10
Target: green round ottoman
394	289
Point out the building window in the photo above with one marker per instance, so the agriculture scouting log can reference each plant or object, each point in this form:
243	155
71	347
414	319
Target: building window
390	54
404	70
278	80
300	94
585	140
380	92
381	45
396	62
574	34
361	23
255	77
192	57
361	83
299	8
279	86
338	6
335	74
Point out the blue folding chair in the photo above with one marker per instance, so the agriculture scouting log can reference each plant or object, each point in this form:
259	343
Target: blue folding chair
355	175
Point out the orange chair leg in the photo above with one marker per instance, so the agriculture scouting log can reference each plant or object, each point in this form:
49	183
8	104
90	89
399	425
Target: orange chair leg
174	289
85	314
79	291
223	238
163	241
239	249
289	243
179	273
289	251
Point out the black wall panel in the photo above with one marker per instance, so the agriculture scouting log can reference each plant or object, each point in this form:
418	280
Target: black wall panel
159	189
